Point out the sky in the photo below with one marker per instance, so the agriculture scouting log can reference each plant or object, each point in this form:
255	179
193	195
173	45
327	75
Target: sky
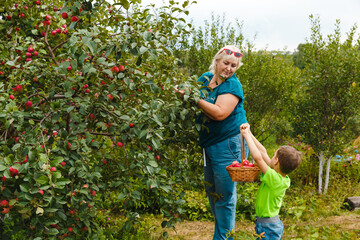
277	24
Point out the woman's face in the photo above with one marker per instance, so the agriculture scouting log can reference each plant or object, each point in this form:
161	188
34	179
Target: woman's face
226	67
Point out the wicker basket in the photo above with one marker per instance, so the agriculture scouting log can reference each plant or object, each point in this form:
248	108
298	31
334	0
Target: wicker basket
243	174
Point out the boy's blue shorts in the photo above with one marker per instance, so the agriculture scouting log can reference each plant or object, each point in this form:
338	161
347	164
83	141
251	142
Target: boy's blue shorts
269	228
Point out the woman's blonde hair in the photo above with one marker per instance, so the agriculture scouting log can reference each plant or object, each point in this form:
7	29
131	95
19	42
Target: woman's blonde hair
223	55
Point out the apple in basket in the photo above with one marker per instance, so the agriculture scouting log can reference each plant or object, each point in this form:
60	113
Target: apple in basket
235	164
244	164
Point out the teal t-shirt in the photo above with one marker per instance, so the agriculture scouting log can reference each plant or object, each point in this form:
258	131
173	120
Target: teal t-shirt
216	131
271	193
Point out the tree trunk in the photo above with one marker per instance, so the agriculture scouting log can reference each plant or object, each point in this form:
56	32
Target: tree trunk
321	165
327	175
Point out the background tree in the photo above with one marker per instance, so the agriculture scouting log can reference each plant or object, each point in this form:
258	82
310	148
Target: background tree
269	80
330	95
198	47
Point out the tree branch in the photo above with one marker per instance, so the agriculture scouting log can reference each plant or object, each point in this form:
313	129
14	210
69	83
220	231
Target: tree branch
49	47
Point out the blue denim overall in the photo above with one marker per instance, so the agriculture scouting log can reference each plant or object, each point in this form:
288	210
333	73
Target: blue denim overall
221	190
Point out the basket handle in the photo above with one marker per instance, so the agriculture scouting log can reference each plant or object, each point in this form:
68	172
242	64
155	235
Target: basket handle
242	149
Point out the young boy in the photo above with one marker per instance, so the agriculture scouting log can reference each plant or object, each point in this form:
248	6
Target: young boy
274	182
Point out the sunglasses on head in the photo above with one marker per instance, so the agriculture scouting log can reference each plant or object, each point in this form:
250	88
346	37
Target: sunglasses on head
229	52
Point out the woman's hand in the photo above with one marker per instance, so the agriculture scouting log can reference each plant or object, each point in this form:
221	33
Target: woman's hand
181	92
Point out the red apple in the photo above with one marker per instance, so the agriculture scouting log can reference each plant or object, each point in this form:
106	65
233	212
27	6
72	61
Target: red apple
64	15
47	17
63	163
12	97
131	125
74	19
115	69
8	17
120	144
121	68
38	3
4	203
28	104
53	169
30	49
6	210
41	191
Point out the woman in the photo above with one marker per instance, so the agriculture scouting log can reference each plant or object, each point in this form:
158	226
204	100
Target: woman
223	113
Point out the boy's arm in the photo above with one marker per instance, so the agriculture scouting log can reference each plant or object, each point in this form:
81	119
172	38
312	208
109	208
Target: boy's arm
261	148
255	153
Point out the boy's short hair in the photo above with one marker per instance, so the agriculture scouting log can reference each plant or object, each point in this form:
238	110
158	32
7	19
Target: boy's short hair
289	158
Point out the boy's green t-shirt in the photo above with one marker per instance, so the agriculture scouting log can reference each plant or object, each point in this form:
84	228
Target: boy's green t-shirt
271	193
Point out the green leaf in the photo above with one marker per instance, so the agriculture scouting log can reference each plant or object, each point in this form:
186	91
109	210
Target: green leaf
16	146
61	215
51	210
52	231
43	157
72	25
101	60
109	51
24	187
121	196
125	4
56	161
156	119
2	167
42	180
62	181
108	72
69	109
153	163
143	50
166	188
155	142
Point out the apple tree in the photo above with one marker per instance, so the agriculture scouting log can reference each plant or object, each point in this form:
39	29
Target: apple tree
87	105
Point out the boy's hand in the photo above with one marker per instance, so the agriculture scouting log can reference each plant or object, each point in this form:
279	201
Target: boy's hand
245	128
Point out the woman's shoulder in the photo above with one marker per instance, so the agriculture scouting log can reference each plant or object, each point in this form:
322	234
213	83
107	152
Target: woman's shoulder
205	77
232	85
